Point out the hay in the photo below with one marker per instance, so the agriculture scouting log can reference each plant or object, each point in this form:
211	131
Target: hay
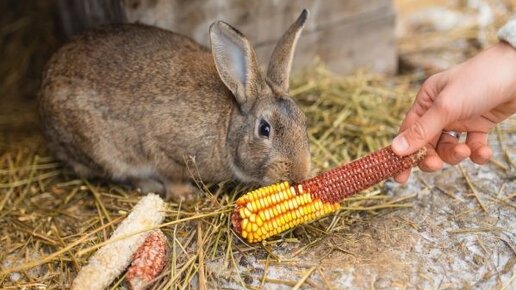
52	222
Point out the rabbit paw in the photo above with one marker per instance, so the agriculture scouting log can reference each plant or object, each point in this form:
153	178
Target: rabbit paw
181	191
149	185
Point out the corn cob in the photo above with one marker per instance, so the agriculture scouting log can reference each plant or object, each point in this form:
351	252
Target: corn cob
149	260
273	209
113	258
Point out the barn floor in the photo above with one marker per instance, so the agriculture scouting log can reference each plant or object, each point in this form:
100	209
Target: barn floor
455	229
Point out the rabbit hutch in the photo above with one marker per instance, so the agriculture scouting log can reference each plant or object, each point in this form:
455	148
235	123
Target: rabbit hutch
358	65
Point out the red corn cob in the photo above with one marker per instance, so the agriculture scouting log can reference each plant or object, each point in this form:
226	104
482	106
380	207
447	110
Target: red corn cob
148	261
273	209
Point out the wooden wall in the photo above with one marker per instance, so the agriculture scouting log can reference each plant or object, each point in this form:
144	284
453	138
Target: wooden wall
344	34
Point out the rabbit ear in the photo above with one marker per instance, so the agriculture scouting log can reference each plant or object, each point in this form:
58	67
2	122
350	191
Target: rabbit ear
281	59
235	61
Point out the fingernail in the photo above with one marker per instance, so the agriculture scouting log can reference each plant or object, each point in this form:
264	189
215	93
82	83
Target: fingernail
400	144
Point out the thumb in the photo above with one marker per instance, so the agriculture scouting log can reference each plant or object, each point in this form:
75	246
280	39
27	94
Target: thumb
420	133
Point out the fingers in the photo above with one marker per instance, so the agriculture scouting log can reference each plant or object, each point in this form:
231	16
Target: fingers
480	151
451	151
402	177
421	132
432	162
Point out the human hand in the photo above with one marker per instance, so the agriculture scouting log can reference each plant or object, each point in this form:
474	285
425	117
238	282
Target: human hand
472	97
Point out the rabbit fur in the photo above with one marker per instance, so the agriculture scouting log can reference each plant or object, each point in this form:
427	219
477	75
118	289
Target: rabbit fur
142	105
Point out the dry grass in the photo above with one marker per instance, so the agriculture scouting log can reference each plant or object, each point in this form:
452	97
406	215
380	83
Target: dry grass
52	222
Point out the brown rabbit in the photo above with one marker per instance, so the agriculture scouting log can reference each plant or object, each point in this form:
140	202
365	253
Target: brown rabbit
143	105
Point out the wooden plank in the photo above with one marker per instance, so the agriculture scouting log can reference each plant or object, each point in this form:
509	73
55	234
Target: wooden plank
368	42
262	21
345	34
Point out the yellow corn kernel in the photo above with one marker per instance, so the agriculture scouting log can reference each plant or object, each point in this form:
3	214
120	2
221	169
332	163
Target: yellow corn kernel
290	217
261	214
274	198
295	202
244	234
283	207
249	227
282	220
275	210
298	213
259	221
290	204
247	212
267	214
262	202
244	223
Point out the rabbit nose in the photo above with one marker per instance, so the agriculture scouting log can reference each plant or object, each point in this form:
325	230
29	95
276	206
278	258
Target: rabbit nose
300	169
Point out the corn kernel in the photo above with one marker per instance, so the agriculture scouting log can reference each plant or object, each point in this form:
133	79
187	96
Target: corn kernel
259	221
282	207
261	214
249	227
290	204
274	199
292	191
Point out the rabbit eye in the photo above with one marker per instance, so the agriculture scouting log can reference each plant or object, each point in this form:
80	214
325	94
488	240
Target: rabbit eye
264	129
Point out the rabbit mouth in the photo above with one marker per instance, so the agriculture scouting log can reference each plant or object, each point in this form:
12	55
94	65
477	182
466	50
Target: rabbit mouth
277	171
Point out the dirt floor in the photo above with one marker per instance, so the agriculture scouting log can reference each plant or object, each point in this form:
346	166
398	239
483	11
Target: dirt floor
455	229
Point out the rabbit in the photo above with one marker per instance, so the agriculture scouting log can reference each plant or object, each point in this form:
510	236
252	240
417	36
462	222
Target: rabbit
140	105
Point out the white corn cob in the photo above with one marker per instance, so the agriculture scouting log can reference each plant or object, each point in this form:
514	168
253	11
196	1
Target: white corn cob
113	258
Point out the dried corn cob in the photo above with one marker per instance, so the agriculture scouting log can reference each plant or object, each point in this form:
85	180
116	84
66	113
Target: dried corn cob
273	209
149	260
113	258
